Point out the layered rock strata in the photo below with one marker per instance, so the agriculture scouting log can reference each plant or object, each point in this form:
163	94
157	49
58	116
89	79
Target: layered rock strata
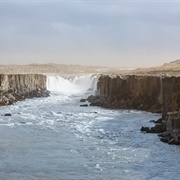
17	87
150	93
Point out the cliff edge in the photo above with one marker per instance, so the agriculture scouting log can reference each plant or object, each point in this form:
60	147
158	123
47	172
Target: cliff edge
15	87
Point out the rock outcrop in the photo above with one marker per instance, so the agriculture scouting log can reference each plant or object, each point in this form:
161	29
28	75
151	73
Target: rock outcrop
14	87
170	95
172	133
150	93
129	92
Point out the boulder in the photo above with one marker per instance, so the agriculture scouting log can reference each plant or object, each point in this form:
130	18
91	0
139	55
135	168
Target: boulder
83	105
159	128
153	121
83	100
145	129
7	114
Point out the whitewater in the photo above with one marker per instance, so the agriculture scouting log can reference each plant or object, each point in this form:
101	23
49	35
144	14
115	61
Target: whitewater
53	138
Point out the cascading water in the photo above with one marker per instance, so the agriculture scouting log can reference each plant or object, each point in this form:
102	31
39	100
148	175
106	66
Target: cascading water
72	85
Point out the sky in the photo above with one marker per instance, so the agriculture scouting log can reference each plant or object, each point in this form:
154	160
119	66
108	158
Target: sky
90	32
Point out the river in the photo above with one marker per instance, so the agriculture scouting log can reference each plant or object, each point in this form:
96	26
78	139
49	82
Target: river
54	138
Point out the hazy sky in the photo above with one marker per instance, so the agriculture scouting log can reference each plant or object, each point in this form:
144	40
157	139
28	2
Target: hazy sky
90	32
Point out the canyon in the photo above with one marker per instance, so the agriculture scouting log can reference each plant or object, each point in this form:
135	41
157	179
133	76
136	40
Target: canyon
156	90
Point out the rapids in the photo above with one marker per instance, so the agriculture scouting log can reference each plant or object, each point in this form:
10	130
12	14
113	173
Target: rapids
54	138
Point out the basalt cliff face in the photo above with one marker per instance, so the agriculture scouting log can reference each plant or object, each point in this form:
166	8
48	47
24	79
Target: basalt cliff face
21	86
135	92
170	95
150	93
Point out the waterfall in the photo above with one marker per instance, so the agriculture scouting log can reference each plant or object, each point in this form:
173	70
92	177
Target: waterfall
72	85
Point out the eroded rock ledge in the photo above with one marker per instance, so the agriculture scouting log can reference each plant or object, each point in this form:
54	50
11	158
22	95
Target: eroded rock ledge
15	87
150	93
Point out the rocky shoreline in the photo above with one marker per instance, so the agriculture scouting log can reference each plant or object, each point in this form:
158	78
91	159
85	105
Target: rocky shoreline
155	94
168	129
17	87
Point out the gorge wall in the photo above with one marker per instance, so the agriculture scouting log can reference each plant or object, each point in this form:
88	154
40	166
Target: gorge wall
150	93
14	87
131	92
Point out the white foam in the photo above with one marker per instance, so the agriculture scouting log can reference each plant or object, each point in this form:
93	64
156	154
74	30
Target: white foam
72	85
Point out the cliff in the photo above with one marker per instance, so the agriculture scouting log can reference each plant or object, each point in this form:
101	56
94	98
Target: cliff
131	92
20	86
150	93
170	95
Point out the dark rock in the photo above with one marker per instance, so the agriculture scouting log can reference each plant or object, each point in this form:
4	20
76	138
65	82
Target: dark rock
83	100
164	134
165	139
153	121
172	141
159	120
93	98
83	105
145	129
170	137
7	114
159	128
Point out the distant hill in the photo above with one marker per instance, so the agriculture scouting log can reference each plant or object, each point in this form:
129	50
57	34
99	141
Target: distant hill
176	61
172	68
57	68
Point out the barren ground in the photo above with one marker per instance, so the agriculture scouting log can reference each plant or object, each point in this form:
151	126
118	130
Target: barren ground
168	69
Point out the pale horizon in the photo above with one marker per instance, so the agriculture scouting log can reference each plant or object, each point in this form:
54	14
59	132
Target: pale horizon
89	33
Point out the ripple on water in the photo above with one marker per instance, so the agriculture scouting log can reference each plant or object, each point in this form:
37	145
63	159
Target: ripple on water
52	138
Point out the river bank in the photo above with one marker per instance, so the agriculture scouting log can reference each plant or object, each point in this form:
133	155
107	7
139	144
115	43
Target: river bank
157	94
